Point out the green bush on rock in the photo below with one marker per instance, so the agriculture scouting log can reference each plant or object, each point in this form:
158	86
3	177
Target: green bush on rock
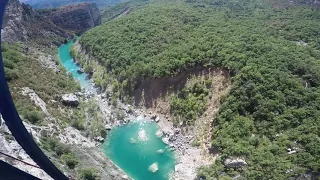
34	117
70	160
89	174
190	103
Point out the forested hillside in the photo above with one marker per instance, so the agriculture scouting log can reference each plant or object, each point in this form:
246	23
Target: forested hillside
118	10
270	117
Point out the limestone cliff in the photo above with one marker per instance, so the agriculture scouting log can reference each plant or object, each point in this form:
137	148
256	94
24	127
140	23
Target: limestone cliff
22	23
76	18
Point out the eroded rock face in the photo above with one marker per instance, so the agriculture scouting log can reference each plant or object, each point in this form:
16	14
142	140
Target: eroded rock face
22	23
12	22
76	18
70	100
35	98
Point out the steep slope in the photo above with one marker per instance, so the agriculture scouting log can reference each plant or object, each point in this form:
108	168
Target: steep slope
37	92
45	27
267	126
22	23
38	85
76	18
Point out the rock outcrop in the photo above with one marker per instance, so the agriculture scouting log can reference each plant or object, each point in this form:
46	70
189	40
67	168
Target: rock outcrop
22	23
70	100
234	162
35	98
76	18
11	147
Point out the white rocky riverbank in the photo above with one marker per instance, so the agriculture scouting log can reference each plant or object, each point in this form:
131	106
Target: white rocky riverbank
188	158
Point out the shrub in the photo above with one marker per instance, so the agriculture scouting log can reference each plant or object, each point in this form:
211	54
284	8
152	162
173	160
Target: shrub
61	149
70	160
62	83
11	74
103	133
55	145
88	68
89	174
190	102
34	117
78	124
8	64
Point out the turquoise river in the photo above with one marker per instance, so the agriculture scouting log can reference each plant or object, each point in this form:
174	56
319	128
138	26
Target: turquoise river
134	147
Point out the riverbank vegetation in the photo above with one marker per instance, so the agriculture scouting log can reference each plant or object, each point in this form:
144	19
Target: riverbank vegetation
272	51
19	64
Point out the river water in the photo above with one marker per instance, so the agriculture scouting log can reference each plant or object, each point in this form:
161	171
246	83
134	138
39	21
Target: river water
67	61
135	148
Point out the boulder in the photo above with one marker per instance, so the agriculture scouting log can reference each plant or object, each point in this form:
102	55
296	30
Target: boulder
80	71
159	133
234	162
153	167
177	130
133	141
292	152
124	177
160	151
70	100
79	94
107	127
99	139
153	117
165	140
172	137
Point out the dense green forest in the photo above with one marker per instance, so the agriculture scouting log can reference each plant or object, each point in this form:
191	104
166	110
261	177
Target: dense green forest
115	11
272	49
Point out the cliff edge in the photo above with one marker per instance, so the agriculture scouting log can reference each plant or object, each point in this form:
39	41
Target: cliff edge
76	18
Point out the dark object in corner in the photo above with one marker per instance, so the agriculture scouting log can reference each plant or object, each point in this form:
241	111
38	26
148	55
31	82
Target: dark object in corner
8	172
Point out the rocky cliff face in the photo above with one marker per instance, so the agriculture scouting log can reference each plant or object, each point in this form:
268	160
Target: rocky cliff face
76	18
22	23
